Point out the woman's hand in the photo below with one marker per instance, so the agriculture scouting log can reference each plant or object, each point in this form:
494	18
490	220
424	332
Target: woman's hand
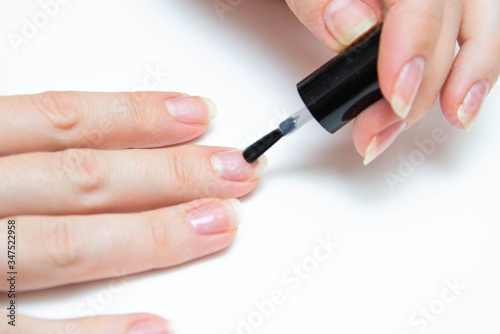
86	210
416	61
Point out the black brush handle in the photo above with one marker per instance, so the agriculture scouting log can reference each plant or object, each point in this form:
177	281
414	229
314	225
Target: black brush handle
346	85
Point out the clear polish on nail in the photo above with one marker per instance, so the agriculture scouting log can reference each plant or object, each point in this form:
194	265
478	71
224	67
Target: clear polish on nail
232	166
347	20
469	109
211	108
383	140
191	109
216	218
150	327
407	85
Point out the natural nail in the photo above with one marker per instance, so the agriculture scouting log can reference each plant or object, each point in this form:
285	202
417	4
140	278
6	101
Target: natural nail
347	20
150	327
407	85
216	218
383	140
469	109
232	166
191	109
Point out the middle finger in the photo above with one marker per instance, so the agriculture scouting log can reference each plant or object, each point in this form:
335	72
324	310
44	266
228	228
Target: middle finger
81	181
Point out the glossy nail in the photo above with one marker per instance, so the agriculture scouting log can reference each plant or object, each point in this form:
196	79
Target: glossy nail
383	140
469	109
232	166
191	109
407	85
216	218
151	326
347	20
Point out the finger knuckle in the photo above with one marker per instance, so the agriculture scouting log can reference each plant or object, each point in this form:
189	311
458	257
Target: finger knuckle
62	242
431	20
181	166
394	7
84	170
61	109
157	229
141	111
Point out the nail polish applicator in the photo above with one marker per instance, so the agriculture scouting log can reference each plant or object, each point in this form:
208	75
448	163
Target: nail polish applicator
334	94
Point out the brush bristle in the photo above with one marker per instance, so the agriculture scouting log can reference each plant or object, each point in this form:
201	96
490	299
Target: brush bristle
254	151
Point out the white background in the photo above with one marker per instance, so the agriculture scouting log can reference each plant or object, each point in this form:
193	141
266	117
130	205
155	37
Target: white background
397	245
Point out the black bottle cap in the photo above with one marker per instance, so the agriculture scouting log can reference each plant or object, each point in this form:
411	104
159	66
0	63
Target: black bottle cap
346	85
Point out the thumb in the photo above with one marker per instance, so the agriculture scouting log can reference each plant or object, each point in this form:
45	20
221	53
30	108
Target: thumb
140	323
337	23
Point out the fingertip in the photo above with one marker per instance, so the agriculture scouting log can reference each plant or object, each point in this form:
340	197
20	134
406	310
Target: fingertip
235	209
467	86
215	217
136	323
232	166
471	104
411	33
348	20
261	167
191	110
148	323
383	140
210	107
338	23
449	107
370	122
361	141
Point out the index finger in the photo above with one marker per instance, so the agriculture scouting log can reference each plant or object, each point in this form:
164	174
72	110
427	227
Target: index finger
56	121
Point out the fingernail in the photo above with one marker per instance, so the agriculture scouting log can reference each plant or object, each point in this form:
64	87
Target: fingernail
407	86
347	20
383	140
191	109
216	217
150	327
232	166
469	109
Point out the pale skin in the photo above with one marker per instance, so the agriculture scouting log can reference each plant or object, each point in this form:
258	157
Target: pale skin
92	162
125	203
423	29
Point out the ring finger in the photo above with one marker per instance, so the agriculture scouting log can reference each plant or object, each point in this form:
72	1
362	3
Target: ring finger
66	249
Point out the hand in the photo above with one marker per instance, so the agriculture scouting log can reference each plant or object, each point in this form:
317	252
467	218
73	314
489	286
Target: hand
416	59
80	204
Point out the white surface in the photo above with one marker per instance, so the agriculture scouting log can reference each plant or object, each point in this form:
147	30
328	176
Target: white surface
396	246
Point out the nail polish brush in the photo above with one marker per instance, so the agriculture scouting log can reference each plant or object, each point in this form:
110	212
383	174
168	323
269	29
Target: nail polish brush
333	95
